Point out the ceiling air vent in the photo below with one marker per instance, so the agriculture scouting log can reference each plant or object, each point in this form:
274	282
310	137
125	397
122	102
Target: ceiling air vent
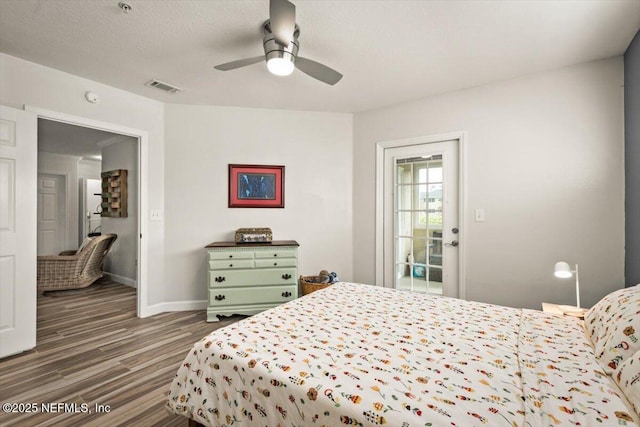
163	86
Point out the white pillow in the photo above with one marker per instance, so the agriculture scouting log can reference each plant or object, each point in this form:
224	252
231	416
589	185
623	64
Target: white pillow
614	327
628	378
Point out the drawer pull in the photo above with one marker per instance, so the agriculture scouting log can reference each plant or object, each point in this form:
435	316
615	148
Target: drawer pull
286	276
275	263
275	254
220	297
230	265
286	294
220	279
230	256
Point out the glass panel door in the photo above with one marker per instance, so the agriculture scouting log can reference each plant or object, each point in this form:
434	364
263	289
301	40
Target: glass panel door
418	214
418	217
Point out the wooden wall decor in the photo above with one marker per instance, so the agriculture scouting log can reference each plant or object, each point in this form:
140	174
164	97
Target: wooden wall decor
114	194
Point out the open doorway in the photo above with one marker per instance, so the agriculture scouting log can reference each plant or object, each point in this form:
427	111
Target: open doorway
71	161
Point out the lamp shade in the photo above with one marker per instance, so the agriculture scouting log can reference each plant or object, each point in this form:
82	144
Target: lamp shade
562	270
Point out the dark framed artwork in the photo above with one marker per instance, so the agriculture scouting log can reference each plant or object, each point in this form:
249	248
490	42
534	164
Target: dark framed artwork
256	186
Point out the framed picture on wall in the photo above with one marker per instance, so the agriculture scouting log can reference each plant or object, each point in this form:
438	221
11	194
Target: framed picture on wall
256	186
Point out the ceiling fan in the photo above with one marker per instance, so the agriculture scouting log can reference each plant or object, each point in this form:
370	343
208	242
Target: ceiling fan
281	47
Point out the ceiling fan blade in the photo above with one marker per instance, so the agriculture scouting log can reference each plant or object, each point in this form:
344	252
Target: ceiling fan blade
318	71
282	15
239	63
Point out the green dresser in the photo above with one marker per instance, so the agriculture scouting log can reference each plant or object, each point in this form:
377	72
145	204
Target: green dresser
246	278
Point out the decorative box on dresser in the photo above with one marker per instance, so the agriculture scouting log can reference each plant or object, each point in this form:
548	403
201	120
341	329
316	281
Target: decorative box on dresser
247	278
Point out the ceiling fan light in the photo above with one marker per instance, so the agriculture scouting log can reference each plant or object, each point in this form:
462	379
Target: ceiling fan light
280	66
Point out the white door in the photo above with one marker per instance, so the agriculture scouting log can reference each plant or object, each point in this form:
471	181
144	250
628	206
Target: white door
421	226
52	219
18	173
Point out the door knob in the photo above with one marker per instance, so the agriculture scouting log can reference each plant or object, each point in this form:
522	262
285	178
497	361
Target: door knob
453	243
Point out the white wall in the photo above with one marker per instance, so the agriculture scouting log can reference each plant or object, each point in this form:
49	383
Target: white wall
74	168
316	150
89	169
23	82
123	257
544	159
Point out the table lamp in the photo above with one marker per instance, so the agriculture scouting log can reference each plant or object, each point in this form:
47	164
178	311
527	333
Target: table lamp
563	271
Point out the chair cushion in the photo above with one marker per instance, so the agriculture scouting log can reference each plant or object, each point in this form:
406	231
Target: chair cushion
85	242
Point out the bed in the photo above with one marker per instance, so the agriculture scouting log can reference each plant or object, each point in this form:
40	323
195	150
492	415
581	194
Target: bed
361	355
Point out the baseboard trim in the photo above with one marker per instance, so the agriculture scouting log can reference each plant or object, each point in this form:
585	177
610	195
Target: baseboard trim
121	279
164	307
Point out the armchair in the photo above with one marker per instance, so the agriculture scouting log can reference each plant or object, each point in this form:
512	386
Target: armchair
73	270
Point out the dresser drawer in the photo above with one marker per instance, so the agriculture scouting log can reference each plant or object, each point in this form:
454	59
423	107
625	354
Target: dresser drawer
248	278
229	264
215	255
275	262
270	276
276	253
249	295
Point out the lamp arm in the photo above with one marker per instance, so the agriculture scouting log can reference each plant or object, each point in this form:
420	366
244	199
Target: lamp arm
577	288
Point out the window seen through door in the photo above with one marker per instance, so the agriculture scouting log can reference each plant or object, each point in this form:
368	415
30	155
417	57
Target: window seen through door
418	224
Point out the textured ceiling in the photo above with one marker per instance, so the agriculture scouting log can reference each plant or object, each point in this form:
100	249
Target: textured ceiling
389	51
72	140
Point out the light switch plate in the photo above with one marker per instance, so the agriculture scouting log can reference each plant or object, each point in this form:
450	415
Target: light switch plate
479	215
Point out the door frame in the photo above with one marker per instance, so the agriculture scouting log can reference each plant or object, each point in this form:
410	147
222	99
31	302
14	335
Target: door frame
461	137
67	203
84	231
143	179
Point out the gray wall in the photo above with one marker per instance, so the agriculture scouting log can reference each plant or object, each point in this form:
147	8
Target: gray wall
123	258
632	160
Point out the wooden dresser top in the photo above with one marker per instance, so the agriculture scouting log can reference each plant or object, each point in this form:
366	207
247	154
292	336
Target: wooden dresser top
252	244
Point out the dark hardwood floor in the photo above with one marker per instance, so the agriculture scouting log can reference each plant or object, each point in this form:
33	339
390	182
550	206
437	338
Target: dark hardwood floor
92	349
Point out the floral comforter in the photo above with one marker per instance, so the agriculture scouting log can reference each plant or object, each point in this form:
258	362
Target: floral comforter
361	355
